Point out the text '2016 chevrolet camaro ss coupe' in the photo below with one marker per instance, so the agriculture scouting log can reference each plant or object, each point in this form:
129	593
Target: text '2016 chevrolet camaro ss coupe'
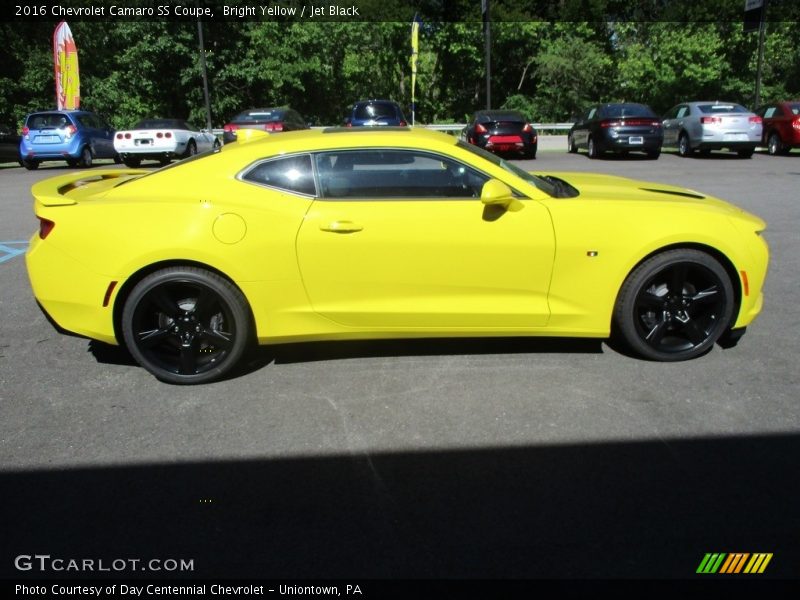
383	233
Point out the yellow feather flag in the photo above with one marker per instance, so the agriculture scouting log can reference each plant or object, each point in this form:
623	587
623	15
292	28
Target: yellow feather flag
414	54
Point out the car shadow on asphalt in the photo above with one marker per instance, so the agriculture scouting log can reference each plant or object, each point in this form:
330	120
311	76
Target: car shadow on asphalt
337	350
609	509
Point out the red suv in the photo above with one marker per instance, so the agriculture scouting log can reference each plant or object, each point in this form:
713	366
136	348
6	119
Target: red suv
781	126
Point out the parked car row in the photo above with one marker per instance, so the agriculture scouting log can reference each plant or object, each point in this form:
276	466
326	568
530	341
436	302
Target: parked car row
699	126
78	137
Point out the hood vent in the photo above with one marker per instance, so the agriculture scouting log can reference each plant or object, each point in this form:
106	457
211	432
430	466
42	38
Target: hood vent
685	194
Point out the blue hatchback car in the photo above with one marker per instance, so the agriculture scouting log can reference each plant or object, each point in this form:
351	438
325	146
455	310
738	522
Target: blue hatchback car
375	112
76	136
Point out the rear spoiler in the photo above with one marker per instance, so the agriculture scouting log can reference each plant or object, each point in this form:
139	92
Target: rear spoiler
51	192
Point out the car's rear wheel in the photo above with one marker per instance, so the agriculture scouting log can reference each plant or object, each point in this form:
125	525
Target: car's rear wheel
86	158
31	165
774	144
675	305
594	151
684	149
186	325
191	149
572	148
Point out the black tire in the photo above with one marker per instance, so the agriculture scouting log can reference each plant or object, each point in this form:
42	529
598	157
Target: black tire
594	151
774	144
31	165
746	152
675	305
72	162
132	162
530	153
164	161
186	325
653	154
216	146
117	159
191	149
85	160
684	148
571	147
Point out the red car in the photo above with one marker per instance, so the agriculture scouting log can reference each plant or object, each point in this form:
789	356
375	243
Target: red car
781	130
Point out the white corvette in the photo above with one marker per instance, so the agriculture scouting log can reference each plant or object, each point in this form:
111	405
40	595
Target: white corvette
162	140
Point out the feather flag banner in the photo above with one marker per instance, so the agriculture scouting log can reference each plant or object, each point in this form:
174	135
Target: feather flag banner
65	58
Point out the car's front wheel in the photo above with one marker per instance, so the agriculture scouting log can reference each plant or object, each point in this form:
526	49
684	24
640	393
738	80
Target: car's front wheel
186	325
675	305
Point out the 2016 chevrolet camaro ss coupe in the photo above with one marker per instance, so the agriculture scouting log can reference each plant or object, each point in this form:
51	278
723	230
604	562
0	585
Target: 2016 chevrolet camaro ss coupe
389	233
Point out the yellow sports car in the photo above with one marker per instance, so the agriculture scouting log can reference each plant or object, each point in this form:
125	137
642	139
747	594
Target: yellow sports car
383	233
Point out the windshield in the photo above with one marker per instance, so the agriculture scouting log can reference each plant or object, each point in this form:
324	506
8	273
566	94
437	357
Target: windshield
547	187
161	124
616	111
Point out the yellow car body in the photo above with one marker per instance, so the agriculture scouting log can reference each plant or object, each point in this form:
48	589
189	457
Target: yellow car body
513	261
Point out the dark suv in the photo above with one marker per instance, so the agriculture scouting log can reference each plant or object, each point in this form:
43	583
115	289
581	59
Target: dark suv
76	136
375	112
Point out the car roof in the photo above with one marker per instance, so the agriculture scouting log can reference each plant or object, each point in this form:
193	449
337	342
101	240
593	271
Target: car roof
499	113
375	101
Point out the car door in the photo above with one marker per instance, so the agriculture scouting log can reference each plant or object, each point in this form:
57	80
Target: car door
581	132
399	239
669	125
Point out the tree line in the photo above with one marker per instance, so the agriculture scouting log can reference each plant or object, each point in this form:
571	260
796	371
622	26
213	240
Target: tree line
550	70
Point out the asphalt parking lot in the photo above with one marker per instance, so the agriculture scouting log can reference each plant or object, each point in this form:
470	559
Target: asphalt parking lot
444	459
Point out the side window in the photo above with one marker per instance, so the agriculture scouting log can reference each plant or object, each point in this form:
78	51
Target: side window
590	115
292	174
770	112
378	174
683	111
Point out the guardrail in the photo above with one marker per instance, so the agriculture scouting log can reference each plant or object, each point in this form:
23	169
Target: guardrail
454	128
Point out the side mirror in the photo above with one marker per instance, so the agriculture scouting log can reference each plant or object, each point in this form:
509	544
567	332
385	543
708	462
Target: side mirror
496	193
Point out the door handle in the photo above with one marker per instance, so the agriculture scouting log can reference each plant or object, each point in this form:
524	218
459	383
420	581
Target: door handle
341	227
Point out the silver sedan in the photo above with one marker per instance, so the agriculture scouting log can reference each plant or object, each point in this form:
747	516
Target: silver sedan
712	125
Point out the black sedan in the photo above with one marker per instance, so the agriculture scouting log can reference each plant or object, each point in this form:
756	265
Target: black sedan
266	119
9	144
501	132
619	128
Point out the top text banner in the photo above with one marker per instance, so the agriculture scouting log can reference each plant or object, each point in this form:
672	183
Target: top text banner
430	11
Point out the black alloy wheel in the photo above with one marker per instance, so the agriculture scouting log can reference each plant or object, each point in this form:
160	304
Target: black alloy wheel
186	325
675	305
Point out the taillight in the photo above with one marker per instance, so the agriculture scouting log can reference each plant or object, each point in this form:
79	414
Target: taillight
168	135
710	120
608	123
127	136
796	123
480	128
71	130
45	227
159	135
25	131
348	124
230	128
403	124
273	126
119	136
528	128
756	120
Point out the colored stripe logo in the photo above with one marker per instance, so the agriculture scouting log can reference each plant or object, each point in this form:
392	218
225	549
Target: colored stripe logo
735	562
